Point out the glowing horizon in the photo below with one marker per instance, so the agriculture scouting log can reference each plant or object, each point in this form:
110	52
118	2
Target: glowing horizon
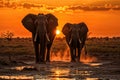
102	20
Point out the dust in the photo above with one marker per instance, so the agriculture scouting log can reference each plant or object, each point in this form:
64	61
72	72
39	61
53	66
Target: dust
65	56
87	58
61	56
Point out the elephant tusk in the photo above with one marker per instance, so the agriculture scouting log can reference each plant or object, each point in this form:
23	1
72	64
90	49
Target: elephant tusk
80	41
35	39
47	37
70	41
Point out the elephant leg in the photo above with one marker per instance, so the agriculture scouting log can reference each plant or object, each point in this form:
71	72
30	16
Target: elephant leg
48	52
52	36
75	54
80	48
85	50
36	48
79	52
42	52
72	55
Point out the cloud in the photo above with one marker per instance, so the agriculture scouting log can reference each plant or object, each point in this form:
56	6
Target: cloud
95	8
29	5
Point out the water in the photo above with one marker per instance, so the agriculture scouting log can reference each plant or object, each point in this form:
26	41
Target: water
39	77
60	71
17	77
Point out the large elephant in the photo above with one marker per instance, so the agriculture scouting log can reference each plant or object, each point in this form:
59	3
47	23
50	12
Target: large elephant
43	29
75	35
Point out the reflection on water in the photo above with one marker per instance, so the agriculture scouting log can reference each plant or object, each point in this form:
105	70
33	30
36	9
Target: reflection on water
19	68
60	72
17	77
50	73
83	73
93	79
41	77
94	64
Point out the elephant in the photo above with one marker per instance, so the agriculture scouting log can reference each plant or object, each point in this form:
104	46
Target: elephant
43	28
75	35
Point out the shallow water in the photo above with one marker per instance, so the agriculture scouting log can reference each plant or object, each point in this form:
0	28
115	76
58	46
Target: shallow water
35	77
62	71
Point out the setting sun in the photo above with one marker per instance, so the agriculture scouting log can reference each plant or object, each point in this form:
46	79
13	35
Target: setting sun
57	32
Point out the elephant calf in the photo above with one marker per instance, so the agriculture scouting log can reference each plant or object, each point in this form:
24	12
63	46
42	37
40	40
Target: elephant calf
75	35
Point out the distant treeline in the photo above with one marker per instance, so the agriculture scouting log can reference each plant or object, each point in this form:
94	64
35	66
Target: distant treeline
62	38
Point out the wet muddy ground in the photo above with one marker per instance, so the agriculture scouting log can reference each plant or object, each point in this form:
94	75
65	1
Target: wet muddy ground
61	71
101	63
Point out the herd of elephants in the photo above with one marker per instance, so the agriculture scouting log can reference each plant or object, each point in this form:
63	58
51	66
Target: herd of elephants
43	28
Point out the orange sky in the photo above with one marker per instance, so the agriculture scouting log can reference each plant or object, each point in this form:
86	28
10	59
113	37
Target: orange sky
100	23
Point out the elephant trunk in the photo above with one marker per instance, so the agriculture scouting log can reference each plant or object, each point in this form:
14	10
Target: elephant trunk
70	41
75	43
41	34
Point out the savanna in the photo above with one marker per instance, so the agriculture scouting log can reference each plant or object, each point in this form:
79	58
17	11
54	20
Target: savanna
19	44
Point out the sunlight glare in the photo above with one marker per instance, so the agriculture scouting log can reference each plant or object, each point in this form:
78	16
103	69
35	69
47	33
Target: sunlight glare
57	32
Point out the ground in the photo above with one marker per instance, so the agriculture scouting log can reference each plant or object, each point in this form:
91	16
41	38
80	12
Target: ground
17	61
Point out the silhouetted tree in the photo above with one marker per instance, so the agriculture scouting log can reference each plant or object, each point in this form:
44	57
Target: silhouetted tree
8	35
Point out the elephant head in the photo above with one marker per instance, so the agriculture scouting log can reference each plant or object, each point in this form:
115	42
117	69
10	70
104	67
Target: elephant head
40	23
75	32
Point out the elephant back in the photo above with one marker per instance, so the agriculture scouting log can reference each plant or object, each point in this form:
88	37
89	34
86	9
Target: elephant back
28	22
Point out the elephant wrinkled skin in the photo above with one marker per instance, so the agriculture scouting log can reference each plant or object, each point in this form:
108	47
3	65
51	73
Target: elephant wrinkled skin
43	29
75	35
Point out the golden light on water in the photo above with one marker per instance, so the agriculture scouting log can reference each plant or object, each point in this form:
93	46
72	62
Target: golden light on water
57	32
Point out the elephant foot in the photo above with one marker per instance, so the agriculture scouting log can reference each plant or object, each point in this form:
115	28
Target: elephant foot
36	62
48	60
42	62
78	59
73	60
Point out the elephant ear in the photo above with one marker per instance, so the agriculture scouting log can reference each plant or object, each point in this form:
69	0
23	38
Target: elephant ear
66	28
52	23
52	20
28	22
83	28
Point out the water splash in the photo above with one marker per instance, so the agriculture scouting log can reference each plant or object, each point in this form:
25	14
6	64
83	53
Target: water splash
61	56
65	56
87	58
